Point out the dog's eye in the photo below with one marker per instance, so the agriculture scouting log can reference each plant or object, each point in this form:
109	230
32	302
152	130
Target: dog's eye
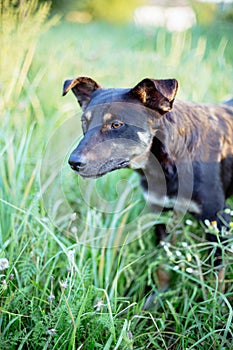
116	125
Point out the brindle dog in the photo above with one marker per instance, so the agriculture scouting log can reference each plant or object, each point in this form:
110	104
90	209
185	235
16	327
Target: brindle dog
182	150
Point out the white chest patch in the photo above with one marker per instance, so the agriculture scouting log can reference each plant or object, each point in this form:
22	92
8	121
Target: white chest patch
177	204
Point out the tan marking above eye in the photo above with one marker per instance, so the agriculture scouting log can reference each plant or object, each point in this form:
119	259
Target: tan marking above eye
107	117
88	115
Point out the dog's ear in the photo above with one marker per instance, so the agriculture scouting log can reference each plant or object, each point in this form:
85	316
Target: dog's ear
156	94
82	88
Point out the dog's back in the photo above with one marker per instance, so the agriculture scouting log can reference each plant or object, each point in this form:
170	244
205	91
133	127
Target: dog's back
229	102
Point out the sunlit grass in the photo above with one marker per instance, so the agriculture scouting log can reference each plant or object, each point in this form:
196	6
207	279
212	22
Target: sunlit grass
59	293
21	28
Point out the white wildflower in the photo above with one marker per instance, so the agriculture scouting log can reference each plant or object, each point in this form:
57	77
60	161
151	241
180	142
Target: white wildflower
189	222
165	244
45	219
189	270
4	284
70	256
99	305
74	230
4	264
207	222
166	248
63	284
73	216
184	244
51	298
178	253
51	331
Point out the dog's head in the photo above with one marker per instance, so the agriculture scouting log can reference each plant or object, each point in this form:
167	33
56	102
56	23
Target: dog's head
118	124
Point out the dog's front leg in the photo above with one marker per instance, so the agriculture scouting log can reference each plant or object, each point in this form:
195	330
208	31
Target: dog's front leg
163	277
218	264
160	233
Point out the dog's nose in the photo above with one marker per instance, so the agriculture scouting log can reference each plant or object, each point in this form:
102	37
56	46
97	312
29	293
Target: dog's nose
76	163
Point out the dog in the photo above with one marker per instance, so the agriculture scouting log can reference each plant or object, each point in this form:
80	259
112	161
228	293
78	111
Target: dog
183	151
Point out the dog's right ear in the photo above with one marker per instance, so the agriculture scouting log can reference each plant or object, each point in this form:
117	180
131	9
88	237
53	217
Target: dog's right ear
156	94
82	87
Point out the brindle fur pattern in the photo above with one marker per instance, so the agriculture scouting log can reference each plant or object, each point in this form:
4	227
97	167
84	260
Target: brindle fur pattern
144	126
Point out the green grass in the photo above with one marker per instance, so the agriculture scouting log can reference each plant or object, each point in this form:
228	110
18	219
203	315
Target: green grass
80	281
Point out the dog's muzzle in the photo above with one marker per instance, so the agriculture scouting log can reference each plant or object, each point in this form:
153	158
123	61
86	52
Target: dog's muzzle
95	169
76	163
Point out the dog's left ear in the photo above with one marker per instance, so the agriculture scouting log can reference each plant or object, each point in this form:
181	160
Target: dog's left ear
156	94
82	87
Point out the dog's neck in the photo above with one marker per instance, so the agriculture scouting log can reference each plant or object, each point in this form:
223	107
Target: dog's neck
177	135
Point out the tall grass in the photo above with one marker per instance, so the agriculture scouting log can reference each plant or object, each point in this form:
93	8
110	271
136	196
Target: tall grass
64	288
21	28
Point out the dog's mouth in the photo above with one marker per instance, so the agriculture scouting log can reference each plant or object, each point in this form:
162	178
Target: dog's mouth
107	167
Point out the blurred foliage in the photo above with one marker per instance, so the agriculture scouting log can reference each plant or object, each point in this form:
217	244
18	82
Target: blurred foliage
227	14
111	11
121	10
21	23
205	11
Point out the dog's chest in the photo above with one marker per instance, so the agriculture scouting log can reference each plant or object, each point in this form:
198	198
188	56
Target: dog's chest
166	186
179	203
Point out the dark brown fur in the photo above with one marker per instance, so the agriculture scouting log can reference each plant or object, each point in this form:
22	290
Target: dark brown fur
193	143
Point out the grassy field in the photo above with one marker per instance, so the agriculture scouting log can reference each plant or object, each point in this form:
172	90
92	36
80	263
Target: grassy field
76	279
